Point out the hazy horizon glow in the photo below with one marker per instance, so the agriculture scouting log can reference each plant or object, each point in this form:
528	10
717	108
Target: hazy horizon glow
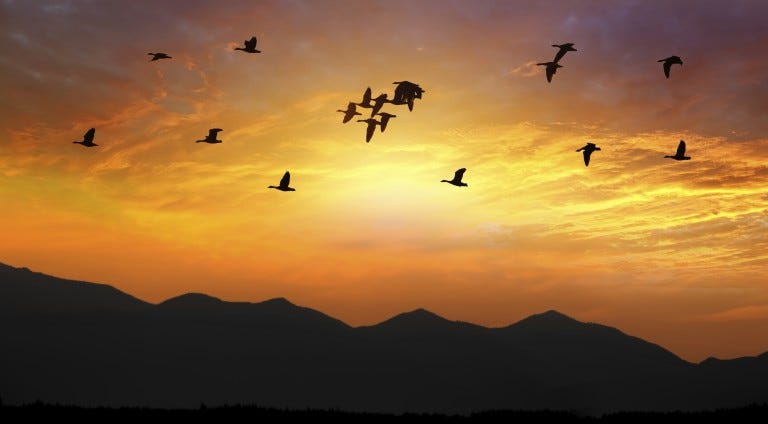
673	252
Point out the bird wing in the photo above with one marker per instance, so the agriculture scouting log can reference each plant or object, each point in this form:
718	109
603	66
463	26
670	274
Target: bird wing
351	108
88	137
459	174
286	179
367	96
587	155
667	66
560	54
550	71
681	149
213	131
251	44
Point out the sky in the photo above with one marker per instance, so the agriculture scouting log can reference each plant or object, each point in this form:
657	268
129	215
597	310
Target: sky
673	252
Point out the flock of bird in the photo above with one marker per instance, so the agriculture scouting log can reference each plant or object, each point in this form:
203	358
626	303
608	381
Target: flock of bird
405	93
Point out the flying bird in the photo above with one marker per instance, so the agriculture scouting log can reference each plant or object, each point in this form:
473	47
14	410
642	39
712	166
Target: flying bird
211	137
668	62
564	48
88	138
158	56
378	102
284	183
349	113
680	154
551	69
457	178
588	149
385	117
371	127
250	46
405	93
366	103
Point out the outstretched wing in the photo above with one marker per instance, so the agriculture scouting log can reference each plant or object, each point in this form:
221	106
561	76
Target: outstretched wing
667	66
213	131
88	137
459	174
560	54
286	180
550	71
587	155
250	44
681	149
367	96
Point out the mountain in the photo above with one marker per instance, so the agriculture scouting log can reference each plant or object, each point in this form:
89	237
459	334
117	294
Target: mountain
90	344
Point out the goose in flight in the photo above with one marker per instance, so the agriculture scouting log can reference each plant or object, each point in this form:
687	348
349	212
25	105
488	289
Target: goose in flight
457	178
284	182
668	62
551	69
88	138
349	113
371	127
158	56
250	46
385	117
564	48
588	149
366	103
378	102
680	154
211	137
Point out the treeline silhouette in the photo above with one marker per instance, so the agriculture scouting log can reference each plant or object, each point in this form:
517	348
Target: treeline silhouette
39	410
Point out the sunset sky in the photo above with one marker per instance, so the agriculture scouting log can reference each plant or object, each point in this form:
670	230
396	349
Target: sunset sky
673	252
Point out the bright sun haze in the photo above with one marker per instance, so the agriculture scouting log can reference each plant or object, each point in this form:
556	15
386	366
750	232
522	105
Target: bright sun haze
673	252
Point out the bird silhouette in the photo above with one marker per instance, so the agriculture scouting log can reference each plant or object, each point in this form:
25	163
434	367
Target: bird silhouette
588	149
551	69
211	137
668	62
378	102
406	92
250	46
88	138
680	154
158	56
564	48
284	182
349	113
457	178
371	127
385	117
366	103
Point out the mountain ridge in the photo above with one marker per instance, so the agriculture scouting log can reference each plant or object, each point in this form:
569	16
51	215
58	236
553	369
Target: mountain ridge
112	349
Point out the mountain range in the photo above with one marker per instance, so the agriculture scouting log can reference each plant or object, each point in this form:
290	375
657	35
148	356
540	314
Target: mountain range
90	344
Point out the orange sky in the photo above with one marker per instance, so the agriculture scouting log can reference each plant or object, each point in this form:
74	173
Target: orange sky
674	252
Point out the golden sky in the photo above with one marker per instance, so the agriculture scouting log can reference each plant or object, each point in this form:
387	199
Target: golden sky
673	252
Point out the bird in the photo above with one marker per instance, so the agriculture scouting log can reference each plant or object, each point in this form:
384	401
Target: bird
366	103
211	137
378	102
564	48
385	117
250	46
284	183
371	127
680	154
551	69
349	113
668	62
457	178
405	93
588	149
158	56
88	138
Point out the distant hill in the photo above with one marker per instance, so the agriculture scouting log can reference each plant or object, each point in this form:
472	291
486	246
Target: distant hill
90	344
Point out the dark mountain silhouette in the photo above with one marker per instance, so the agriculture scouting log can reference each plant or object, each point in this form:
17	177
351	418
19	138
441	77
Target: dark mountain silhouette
89	344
